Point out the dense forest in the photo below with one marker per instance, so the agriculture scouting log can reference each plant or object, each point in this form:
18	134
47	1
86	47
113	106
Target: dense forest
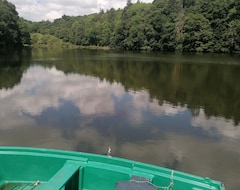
168	25
164	25
13	30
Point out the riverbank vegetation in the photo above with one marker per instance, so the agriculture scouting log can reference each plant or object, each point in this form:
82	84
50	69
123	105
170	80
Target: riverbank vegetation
164	25
49	41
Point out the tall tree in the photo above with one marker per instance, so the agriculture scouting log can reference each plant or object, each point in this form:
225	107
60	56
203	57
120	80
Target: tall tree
129	2
10	34
198	34
24	29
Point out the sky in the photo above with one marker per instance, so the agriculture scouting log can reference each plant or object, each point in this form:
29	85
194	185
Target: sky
38	10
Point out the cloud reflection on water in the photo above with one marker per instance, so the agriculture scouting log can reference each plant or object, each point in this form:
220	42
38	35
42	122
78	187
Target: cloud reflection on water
224	127
42	88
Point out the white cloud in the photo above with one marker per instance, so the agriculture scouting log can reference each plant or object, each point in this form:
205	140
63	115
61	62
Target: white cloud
37	10
216	124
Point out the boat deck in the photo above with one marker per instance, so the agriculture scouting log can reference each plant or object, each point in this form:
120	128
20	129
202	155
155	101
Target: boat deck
67	178
17	186
41	169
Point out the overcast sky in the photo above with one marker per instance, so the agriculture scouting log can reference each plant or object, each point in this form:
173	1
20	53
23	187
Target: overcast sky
38	10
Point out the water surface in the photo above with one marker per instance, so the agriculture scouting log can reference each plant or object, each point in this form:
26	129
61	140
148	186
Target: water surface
174	110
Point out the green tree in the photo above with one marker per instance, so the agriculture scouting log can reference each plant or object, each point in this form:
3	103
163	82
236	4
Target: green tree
163	19
197	33
134	31
129	3
232	36
10	34
166	25
25	35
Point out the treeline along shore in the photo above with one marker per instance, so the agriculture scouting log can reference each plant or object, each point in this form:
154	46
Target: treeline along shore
163	25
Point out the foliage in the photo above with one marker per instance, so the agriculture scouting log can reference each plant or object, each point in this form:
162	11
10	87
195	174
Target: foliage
167	25
197	33
25	35
47	40
13	31
134	30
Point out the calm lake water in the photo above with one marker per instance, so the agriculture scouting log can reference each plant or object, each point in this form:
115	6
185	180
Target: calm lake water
180	111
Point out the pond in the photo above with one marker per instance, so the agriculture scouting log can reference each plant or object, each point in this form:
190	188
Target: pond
180	111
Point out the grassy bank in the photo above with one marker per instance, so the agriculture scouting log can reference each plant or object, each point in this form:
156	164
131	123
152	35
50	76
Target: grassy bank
48	41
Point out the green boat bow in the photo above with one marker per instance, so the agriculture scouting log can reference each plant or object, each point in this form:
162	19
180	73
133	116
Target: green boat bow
42	169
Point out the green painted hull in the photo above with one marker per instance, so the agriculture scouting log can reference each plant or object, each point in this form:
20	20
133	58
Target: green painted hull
43	169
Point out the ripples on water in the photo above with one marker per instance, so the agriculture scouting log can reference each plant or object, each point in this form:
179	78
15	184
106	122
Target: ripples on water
145	107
